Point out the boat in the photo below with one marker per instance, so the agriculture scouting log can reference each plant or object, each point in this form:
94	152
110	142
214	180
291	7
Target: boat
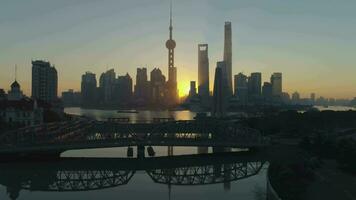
127	111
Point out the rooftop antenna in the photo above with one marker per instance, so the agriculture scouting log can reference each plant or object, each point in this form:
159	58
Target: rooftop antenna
15	72
170	19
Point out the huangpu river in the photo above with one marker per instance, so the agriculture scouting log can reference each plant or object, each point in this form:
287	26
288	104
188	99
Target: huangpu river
109	174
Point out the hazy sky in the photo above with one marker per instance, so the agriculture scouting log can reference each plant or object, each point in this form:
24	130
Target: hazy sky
312	42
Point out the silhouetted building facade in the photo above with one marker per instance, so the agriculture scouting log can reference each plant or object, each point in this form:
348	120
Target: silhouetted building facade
228	57
71	98
295	98
89	90
44	81
158	88
193	89
312	98
220	91
241	88
254	87
267	91
142	91
203	74
3	95
15	94
106	87
276	81
123	90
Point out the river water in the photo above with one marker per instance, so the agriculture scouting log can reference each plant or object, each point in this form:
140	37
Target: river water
189	175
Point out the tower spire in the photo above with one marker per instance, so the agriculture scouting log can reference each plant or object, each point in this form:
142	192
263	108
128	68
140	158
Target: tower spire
170	21
15	72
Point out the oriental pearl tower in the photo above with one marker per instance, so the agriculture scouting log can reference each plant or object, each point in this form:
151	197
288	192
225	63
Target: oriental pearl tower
172	93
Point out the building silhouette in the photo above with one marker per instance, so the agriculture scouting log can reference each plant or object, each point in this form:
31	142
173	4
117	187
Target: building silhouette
122	94
3	94
15	94
193	89
254	87
172	91
71	98
220	95
228	56
241	88
203	74
44	81
295	98
312	98
89	90
106	87
158	88
267	90
276	81
142	87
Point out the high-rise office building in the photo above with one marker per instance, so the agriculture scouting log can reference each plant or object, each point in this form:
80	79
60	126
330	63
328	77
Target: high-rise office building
276	81
88	89
203	74
228	56
267	91
172	91
123	90
193	89
254	87
106	87
241	88
220	91
158	89
142	86
44	81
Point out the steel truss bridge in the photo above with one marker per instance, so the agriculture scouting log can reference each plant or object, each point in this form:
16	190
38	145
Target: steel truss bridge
85	174
84	134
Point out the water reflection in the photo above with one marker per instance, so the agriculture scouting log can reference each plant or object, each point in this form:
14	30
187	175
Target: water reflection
86	174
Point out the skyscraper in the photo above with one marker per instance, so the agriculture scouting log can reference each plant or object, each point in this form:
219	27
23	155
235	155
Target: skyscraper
142	86
44	81
254	86
158	81
276	81
88	89
106	87
267	91
172	92
228	56
193	89
220	91
241	88
203	74
123	90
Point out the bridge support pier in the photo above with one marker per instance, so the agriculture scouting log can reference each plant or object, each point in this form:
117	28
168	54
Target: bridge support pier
140	152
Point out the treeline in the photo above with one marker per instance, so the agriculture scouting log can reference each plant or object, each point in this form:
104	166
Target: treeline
302	124
343	150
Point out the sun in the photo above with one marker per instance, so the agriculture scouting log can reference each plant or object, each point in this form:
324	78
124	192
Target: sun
183	88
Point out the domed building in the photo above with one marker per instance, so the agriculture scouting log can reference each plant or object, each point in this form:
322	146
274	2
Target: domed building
15	94
18	110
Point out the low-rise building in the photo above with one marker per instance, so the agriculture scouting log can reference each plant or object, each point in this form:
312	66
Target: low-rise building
24	112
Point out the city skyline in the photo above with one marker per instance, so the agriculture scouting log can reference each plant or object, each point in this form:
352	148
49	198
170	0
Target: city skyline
306	69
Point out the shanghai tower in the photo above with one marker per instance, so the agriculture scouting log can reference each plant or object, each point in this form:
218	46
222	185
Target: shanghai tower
228	56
